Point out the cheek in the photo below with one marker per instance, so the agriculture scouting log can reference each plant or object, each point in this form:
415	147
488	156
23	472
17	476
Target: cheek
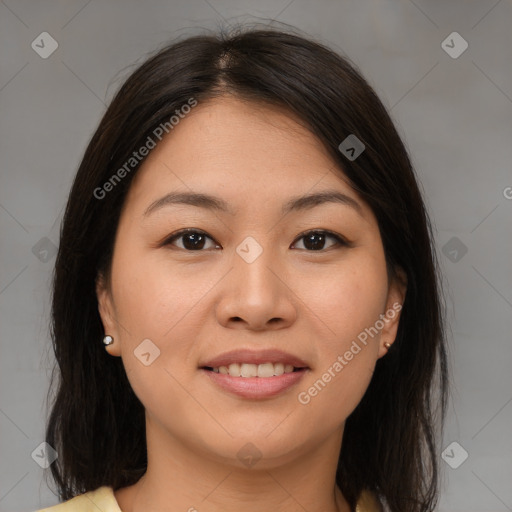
157	302
346	302
154	299
347	299
154	305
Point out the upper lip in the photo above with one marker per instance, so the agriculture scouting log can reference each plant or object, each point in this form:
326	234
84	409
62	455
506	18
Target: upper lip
254	357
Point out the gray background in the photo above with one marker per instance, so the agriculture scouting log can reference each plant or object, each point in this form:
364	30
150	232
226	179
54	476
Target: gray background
455	115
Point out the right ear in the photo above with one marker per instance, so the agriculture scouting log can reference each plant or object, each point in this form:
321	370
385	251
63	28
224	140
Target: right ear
107	313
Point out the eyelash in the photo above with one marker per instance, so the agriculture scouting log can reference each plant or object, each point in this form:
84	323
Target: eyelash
340	240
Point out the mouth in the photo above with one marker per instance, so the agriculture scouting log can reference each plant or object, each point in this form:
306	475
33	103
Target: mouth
254	374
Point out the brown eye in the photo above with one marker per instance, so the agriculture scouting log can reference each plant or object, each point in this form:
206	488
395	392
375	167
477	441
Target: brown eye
196	240
315	240
192	240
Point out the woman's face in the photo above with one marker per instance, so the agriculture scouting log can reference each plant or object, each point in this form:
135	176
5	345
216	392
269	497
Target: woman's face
250	280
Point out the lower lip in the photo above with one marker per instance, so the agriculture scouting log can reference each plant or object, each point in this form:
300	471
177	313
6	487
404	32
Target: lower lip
255	387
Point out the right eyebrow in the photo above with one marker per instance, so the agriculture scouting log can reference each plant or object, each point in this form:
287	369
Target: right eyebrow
190	198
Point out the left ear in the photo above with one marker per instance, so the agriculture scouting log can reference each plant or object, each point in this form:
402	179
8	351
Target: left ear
107	314
391	317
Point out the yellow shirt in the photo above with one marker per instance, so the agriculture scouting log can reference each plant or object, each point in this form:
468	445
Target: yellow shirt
103	499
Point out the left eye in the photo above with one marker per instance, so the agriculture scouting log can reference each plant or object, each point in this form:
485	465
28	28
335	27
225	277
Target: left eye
315	240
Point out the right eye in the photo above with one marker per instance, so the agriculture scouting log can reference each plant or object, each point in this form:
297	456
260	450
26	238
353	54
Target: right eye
192	240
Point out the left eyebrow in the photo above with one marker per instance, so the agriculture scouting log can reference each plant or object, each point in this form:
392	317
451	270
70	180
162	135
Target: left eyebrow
215	203
326	196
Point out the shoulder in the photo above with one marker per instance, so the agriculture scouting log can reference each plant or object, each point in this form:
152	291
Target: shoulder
100	499
368	503
103	499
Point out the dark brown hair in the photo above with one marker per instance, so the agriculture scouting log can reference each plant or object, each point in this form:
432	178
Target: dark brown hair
97	424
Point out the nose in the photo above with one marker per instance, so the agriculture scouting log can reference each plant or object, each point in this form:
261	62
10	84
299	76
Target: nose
256	296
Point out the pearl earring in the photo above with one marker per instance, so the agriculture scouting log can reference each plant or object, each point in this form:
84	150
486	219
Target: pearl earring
108	340
387	345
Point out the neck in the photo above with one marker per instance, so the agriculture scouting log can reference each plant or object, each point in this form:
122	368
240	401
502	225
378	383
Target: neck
182	478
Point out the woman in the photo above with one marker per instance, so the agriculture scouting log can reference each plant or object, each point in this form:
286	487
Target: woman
246	235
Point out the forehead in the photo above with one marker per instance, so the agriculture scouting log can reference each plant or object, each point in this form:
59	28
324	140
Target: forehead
239	149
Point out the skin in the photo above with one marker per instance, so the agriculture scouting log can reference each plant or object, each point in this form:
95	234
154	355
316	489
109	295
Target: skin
195	305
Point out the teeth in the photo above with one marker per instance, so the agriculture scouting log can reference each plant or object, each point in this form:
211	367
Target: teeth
254	370
234	369
265	370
